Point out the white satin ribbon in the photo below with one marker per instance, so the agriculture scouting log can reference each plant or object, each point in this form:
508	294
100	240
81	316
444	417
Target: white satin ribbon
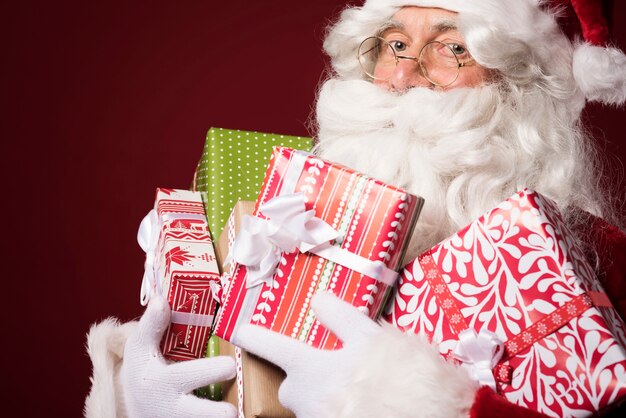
480	353
186	318
290	227
148	238
216	290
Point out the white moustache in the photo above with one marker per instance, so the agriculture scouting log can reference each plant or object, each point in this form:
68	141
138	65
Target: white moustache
448	126
358	105
463	150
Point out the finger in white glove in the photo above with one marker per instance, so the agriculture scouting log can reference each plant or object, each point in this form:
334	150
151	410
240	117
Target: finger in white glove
312	374
378	372
152	387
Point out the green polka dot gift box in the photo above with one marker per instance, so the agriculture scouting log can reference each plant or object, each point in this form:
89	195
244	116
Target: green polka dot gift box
232	168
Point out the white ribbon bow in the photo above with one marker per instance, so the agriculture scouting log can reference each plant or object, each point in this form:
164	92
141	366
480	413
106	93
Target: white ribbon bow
288	227
216	290
148	238
480	353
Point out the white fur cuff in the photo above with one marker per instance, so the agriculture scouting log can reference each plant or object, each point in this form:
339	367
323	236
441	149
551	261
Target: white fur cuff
402	375
105	346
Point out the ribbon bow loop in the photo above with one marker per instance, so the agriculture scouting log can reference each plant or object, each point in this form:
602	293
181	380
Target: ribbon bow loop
292	227
217	290
480	353
288	227
148	238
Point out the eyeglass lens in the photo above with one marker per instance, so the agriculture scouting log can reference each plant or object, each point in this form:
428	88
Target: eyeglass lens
437	61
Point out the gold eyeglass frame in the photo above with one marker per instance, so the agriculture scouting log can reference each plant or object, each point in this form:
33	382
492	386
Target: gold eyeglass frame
417	59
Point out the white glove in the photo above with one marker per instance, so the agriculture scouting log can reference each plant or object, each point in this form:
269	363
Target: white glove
379	372
314	377
154	388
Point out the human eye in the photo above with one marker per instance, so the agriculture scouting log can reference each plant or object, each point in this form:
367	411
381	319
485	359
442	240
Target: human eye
457	48
398	45
398	41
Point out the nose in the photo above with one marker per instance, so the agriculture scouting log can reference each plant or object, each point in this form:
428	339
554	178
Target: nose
407	75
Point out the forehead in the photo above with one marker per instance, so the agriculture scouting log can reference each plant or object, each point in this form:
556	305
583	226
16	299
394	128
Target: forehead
423	19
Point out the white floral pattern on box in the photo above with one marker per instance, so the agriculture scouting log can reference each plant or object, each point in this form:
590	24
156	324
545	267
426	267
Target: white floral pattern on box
506	271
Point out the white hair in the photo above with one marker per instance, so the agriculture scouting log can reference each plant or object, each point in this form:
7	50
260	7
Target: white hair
523	43
468	149
464	150
521	39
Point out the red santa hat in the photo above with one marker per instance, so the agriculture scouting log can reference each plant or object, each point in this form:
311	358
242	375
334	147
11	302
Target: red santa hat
592	20
600	71
501	34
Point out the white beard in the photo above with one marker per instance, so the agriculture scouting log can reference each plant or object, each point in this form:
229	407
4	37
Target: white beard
460	150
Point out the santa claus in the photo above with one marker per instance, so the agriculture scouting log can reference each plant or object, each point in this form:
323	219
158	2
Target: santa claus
463	103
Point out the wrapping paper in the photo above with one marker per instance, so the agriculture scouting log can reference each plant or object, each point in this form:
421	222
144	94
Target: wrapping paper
227	237
180	265
255	390
373	220
517	272
232	167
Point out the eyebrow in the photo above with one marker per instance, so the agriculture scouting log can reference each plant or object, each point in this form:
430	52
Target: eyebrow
390	24
442	26
445	25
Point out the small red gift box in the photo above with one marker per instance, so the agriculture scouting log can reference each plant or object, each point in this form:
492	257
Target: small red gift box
317	226
514	300
180	265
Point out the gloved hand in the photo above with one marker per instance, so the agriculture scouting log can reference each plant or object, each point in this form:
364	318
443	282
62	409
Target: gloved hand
314	377
379	372
154	388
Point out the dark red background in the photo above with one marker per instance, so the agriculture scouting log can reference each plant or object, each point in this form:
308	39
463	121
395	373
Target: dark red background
102	102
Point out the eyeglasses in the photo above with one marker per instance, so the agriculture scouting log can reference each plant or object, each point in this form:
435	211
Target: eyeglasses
437	62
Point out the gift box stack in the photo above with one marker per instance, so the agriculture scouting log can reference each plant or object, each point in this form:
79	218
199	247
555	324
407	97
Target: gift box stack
320	226
512	298
178	239
374	219
181	262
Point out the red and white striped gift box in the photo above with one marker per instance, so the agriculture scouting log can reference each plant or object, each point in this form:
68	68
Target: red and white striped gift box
373	222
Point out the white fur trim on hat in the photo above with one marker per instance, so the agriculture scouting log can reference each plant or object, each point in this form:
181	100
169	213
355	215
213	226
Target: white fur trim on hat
600	73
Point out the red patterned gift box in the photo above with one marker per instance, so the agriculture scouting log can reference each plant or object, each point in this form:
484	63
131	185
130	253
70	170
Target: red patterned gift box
317	226
180	265
514	300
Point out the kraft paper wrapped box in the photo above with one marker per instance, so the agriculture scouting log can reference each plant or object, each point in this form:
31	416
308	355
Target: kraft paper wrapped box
255	391
514	284
227	237
232	167
330	228
180	265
